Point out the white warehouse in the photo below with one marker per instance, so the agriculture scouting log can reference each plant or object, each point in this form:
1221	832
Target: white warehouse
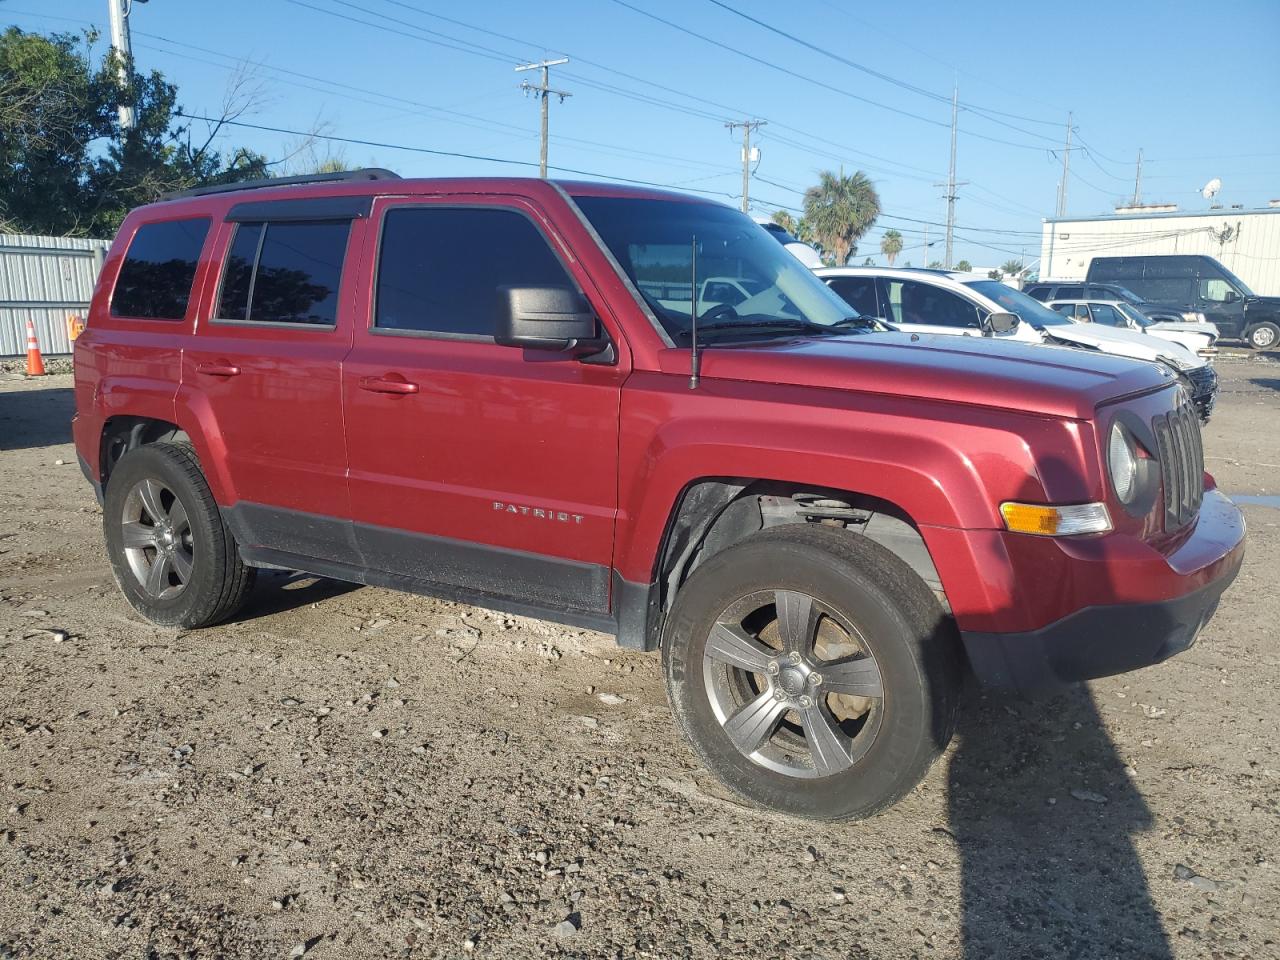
1247	242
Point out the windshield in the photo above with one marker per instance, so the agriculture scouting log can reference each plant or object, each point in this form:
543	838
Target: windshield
1015	301
653	242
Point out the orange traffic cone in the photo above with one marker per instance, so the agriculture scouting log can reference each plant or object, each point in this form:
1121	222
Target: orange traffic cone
35	363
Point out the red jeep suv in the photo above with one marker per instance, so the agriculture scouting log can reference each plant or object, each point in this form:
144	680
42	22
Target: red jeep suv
515	393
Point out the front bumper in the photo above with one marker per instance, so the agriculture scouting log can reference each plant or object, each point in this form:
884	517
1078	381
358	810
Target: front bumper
1106	639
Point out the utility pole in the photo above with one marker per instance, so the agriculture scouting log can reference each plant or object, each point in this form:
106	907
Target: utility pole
118	11
544	91
1137	181
925	261
951	183
747	126
1066	171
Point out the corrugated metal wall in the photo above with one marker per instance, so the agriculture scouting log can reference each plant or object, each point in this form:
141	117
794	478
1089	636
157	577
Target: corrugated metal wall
44	279
1246	242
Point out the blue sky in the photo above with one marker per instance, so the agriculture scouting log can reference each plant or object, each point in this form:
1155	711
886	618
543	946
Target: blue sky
1194	87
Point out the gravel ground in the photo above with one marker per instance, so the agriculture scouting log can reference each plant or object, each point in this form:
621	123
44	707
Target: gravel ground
355	773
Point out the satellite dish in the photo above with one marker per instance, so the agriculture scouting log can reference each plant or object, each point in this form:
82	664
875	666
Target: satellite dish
1211	189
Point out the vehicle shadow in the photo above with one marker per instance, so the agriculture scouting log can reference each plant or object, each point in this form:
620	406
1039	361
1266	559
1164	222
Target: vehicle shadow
1269	383
35	418
279	591
1044	816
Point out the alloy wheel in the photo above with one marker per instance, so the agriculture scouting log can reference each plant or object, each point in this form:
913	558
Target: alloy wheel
793	684
157	541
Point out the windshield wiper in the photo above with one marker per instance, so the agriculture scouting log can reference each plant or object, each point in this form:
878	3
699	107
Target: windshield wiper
860	322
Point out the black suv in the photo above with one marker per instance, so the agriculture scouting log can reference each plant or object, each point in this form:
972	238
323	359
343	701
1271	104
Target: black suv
1045	292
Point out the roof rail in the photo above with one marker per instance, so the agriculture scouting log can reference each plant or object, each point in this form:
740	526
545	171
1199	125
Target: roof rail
365	173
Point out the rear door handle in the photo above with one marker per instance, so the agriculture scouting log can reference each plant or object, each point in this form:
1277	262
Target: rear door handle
218	369
383	385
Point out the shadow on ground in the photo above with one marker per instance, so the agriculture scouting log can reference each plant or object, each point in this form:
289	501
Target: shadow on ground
279	591
35	418
1044	816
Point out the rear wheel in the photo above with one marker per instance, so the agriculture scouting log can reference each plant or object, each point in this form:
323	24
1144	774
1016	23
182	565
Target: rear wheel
1265	336
173	557
813	672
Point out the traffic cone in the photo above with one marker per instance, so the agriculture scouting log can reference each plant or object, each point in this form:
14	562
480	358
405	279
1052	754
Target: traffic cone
35	363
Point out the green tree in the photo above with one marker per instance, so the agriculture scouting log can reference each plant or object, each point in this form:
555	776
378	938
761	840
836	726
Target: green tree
995	275
964	266
1012	268
935	264
66	167
786	221
868	262
838	211
891	245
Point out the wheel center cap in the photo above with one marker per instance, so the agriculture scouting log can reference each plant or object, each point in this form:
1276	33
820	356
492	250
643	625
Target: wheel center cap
791	681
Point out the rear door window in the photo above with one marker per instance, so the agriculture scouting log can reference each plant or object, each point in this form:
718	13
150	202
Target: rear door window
1103	313
1071	292
158	270
286	272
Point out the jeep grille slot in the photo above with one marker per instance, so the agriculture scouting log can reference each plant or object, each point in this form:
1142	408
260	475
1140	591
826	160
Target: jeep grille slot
1181	464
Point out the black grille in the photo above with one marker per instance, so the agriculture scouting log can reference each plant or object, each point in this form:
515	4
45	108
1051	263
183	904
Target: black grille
1181	464
1204	387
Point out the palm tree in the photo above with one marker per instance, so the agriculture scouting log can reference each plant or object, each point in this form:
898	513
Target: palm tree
786	221
891	245
839	210
1012	268
964	266
935	264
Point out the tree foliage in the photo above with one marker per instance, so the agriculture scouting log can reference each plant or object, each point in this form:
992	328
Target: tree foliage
1012	268
964	266
891	245
67	167
838	211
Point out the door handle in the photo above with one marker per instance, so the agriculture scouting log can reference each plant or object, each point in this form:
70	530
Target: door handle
218	369
382	385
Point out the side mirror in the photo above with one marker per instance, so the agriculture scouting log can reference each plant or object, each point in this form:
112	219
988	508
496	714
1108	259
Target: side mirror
1002	322
543	318
1230	297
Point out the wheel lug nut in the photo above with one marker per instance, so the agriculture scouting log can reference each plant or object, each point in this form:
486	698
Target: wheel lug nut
779	695
806	702
815	679
794	656
771	668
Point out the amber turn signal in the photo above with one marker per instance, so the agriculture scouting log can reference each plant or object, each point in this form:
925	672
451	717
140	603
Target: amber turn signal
1050	521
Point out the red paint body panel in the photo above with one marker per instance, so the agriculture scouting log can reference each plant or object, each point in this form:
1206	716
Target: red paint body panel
944	428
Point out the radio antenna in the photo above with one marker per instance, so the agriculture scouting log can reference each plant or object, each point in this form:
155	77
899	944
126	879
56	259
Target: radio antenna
695	359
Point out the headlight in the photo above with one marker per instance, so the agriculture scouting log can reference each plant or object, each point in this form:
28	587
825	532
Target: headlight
1122	464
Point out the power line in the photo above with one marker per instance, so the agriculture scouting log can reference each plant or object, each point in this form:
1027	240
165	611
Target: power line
862	67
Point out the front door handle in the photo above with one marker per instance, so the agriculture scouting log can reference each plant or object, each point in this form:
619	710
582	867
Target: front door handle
218	369
383	385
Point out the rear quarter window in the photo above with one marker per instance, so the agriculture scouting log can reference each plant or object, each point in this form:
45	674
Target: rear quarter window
158	270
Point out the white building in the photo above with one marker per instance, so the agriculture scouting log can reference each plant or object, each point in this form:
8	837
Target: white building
1246	242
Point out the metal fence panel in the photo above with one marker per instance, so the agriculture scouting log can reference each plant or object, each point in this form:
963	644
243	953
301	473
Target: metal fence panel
44	279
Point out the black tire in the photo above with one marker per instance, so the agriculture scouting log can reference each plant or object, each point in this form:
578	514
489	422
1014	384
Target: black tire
1264	336
217	580
913	644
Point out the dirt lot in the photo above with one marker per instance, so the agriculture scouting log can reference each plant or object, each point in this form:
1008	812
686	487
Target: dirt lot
349	773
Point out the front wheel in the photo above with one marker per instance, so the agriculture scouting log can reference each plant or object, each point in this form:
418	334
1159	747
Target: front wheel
813	672
173	557
1264	336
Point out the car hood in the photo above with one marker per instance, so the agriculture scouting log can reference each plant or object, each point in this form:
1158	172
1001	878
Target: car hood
1209	330
1124	343
980	371
1267	305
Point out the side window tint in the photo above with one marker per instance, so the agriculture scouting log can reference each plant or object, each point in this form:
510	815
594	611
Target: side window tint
298	273
1068	293
233	300
158	271
1215	290
1067	308
439	270
858	292
1038	293
925	304
1108	315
